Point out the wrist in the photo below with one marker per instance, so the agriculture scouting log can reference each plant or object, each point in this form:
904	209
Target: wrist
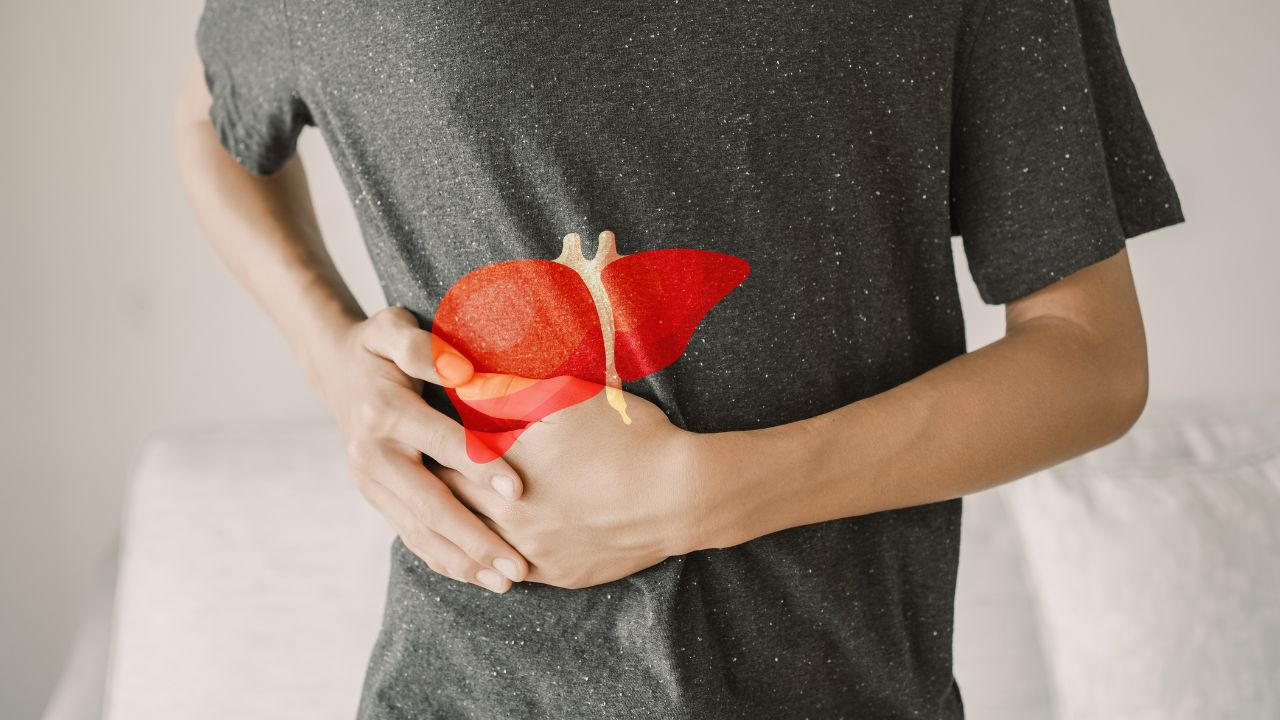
321	332
725	499
740	483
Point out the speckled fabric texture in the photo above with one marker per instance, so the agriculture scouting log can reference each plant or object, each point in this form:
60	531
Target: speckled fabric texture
837	147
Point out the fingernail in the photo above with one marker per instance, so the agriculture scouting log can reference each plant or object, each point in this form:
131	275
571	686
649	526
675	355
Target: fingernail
505	486
508	568
453	368
491	579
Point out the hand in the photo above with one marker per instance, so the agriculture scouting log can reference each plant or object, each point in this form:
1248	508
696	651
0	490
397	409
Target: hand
602	499
372	377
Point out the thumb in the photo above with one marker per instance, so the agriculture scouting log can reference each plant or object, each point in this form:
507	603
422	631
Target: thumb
513	397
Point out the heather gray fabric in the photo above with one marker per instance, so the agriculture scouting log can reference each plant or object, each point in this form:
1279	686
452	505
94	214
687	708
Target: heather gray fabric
836	147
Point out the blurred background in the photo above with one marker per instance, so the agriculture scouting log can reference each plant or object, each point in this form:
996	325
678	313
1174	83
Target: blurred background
120	325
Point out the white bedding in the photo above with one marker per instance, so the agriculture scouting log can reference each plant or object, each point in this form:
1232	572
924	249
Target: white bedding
1140	581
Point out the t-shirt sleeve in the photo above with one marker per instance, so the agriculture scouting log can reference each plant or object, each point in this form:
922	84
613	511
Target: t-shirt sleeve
1053	162
258	109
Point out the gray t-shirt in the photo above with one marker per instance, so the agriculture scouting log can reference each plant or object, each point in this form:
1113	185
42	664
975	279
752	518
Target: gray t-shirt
837	148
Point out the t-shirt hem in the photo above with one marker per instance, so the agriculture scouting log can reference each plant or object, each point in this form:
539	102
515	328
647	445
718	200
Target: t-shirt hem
1172	216
1006	291
260	164
229	127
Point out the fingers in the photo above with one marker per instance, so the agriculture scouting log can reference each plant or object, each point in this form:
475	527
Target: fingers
519	398
389	428
394	333
430	506
434	434
465	493
441	555
490	386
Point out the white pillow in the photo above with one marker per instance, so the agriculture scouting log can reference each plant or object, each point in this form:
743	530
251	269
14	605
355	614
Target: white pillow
252	579
999	660
1155	563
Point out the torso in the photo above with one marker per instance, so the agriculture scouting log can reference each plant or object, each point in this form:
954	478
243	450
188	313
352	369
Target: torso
810	140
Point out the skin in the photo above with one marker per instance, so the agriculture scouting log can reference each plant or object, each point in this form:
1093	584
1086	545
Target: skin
1069	375
368	369
596	500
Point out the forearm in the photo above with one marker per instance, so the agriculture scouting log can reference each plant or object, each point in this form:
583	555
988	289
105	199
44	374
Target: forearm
265	230
1047	391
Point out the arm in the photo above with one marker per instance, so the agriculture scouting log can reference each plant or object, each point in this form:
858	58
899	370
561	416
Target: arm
264	229
369	370
1070	375
607	499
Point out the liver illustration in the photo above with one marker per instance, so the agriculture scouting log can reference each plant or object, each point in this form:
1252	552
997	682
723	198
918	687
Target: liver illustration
570	327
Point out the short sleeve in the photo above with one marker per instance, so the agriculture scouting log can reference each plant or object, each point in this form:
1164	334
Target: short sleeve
1053	162
257	109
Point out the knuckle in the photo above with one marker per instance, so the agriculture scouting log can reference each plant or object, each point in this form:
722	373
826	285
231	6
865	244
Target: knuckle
408	341
384	397
460	571
476	548
537	548
395	315
419	343
434	442
504	513
404	314
360	455
376	414
425	514
424	508
368	412
416	540
385	421
379	323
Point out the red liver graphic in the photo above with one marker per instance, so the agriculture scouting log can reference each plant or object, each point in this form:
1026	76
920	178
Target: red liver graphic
572	326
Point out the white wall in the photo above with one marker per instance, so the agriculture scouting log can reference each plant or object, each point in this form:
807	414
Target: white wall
118	321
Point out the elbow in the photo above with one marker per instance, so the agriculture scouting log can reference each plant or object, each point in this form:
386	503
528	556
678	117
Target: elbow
1128	397
1133	399
1114	386
191	125
192	103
